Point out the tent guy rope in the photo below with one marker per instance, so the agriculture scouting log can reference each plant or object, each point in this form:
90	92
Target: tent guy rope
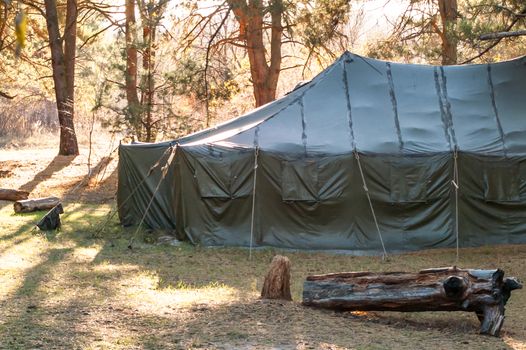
150	171
256	153
384	255
456	185
164	171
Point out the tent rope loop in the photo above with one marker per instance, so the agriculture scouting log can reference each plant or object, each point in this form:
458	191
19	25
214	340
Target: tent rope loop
357	156
256	153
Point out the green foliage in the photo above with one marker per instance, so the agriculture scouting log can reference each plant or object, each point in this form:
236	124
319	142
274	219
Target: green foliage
188	79
318	23
416	37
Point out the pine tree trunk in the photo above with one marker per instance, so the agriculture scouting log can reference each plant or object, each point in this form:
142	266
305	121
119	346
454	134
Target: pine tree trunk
264	75
448	14
147	65
65	104
134	107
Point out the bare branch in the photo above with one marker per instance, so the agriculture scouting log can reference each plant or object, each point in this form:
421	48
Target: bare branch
500	35
498	40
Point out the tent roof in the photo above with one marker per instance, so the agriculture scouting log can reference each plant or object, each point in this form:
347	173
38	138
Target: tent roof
382	107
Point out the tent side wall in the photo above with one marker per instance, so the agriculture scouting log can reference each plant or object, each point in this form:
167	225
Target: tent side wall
213	195
492	201
313	202
136	188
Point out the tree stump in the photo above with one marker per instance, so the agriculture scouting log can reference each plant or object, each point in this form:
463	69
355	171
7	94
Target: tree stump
277	280
12	195
484	292
29	205
51	221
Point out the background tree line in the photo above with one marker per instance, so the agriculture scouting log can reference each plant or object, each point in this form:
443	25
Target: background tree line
155	69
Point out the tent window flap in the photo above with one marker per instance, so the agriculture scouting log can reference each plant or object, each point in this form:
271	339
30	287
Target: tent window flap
213	178
299	181
409	183
501	182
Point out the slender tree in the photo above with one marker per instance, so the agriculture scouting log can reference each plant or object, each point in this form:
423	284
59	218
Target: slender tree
132	97
262	27
448	10
139	111
63	64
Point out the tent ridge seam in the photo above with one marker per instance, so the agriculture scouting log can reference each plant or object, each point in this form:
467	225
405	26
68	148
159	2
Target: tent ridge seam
495	110
394	104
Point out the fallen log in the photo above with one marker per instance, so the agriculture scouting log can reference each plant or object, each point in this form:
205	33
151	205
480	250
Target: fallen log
484	292
29	205
12	195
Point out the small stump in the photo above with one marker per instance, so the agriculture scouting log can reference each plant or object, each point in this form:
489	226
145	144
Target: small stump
51	221
277	280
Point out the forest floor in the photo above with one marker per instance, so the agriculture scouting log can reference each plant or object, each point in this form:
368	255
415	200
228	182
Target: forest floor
82	289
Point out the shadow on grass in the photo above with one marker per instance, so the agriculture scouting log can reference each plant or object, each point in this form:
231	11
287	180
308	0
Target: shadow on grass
92	310
96	187
57	164
21	324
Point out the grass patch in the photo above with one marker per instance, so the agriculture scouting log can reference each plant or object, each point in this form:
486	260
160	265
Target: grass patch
77	289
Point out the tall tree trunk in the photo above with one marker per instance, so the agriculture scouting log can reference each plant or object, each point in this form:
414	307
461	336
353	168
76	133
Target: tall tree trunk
148	32
448	14
65	106
134	106
250	17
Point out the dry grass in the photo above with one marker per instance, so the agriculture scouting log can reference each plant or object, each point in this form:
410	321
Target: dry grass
70	290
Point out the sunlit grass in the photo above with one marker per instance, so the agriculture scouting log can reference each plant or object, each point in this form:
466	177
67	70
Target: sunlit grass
77	289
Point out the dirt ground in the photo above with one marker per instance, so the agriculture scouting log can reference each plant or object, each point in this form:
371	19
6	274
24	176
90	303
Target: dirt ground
78	290
40	171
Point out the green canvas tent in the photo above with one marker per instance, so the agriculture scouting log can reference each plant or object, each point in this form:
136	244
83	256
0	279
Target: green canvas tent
416	149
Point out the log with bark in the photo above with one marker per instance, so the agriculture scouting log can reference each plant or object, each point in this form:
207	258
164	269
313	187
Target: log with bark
29	205
12	195
484	292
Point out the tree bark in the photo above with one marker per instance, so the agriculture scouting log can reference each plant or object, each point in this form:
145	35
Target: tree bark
65	105
484	292
70	50
12	195
250	18
148	32
132	97
448	14
277	280
29	205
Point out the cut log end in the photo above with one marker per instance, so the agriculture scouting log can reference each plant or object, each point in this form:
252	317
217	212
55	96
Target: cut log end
277	280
